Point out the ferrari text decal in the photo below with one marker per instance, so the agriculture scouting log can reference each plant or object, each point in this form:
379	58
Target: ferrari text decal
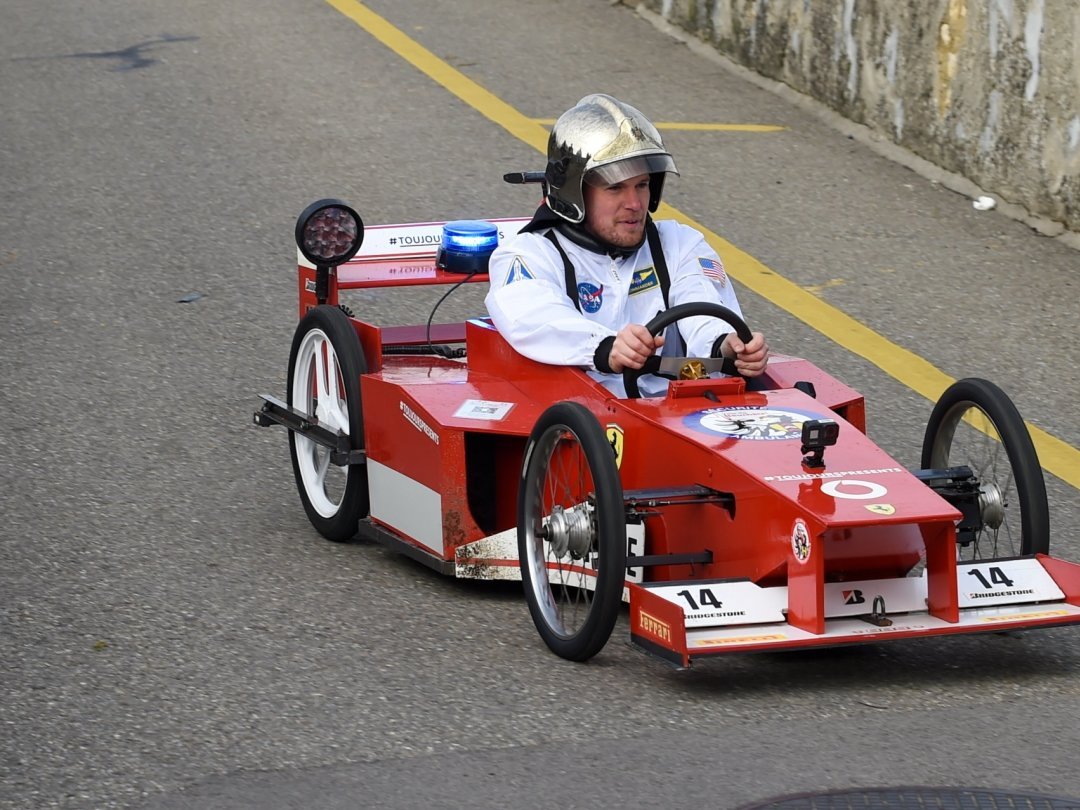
852	489
653	626
419	423
756	424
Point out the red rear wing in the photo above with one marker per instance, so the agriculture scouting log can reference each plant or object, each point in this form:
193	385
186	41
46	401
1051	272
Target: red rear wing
394	256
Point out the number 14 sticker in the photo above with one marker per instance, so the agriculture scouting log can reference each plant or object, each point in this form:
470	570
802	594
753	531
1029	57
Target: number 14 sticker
1005	582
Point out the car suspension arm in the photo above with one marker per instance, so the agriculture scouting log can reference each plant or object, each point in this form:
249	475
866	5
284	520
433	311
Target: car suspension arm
276	412
640	502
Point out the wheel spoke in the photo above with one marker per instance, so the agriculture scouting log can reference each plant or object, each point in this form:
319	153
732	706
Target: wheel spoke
573	592
322	465
974	424
326	365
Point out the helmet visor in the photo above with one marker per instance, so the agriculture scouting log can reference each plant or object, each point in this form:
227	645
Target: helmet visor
611	173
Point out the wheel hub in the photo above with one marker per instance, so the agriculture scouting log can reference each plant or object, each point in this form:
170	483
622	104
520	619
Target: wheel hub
569	531
991	505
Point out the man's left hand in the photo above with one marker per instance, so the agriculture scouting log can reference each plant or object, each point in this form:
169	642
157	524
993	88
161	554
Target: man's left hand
751	358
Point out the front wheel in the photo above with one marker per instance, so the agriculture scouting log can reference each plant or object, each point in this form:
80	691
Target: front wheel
325	365
975	424
571	532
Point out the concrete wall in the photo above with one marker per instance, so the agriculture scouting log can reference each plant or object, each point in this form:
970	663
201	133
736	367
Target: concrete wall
986	89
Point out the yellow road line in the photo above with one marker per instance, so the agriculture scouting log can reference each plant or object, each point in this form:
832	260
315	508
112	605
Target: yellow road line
918	374
520	126
687	126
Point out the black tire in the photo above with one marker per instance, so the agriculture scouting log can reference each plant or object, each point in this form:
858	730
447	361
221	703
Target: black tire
570	492
1012	497
334	498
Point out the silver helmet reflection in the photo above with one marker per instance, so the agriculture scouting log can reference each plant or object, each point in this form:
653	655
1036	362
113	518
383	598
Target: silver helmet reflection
603	141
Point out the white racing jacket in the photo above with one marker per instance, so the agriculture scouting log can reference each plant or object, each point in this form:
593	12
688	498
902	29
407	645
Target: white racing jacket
528	302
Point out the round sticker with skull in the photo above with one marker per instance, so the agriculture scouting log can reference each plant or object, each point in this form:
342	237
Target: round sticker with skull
800	541
756	424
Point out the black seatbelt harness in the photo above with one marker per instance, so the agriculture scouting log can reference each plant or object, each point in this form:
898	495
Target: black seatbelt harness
652	235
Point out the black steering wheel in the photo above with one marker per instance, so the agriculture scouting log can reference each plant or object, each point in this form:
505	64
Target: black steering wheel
668	367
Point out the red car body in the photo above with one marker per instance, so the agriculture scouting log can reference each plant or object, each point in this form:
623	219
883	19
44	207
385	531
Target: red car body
750	547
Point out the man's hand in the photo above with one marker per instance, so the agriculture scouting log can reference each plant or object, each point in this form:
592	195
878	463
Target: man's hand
750	358
633	346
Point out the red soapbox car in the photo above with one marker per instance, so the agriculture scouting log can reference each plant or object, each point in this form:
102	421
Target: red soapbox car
731	517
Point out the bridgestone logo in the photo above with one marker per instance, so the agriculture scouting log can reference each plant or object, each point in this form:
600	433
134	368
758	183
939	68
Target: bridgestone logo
1018	592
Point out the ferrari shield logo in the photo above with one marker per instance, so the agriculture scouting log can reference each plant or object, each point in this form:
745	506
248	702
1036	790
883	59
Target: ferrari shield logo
615	439
882	508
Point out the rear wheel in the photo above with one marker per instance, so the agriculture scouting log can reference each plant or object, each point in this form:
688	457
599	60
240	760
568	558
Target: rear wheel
571	532
975	424
325	365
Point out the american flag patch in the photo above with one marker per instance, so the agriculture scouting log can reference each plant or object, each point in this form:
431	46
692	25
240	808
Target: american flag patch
714	270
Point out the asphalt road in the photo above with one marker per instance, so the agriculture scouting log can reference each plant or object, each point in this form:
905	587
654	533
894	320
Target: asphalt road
174	634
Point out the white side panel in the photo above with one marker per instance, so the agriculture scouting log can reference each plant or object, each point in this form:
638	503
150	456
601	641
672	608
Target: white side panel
836	630
492	557
406	505
980	585
413	240
710	603
496	557
900	595
1004	582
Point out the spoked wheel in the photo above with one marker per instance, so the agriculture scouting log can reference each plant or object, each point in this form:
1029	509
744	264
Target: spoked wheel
975	424
325	365
571	532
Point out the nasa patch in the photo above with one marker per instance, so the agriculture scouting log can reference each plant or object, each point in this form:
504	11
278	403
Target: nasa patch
591	296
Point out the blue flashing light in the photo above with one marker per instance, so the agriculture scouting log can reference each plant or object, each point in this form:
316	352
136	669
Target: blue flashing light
466	246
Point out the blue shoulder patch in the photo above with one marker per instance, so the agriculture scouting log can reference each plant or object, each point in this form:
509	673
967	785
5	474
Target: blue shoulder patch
645	279
518	271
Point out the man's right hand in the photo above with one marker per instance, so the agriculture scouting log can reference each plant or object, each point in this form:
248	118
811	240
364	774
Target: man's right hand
633	346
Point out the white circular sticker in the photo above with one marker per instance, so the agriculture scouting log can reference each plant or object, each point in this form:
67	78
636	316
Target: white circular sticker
854	490
800	541
755	424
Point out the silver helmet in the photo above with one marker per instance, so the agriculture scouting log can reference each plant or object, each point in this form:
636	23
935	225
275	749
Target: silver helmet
602	140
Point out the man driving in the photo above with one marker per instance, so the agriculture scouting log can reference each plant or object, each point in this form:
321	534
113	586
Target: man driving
577	284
